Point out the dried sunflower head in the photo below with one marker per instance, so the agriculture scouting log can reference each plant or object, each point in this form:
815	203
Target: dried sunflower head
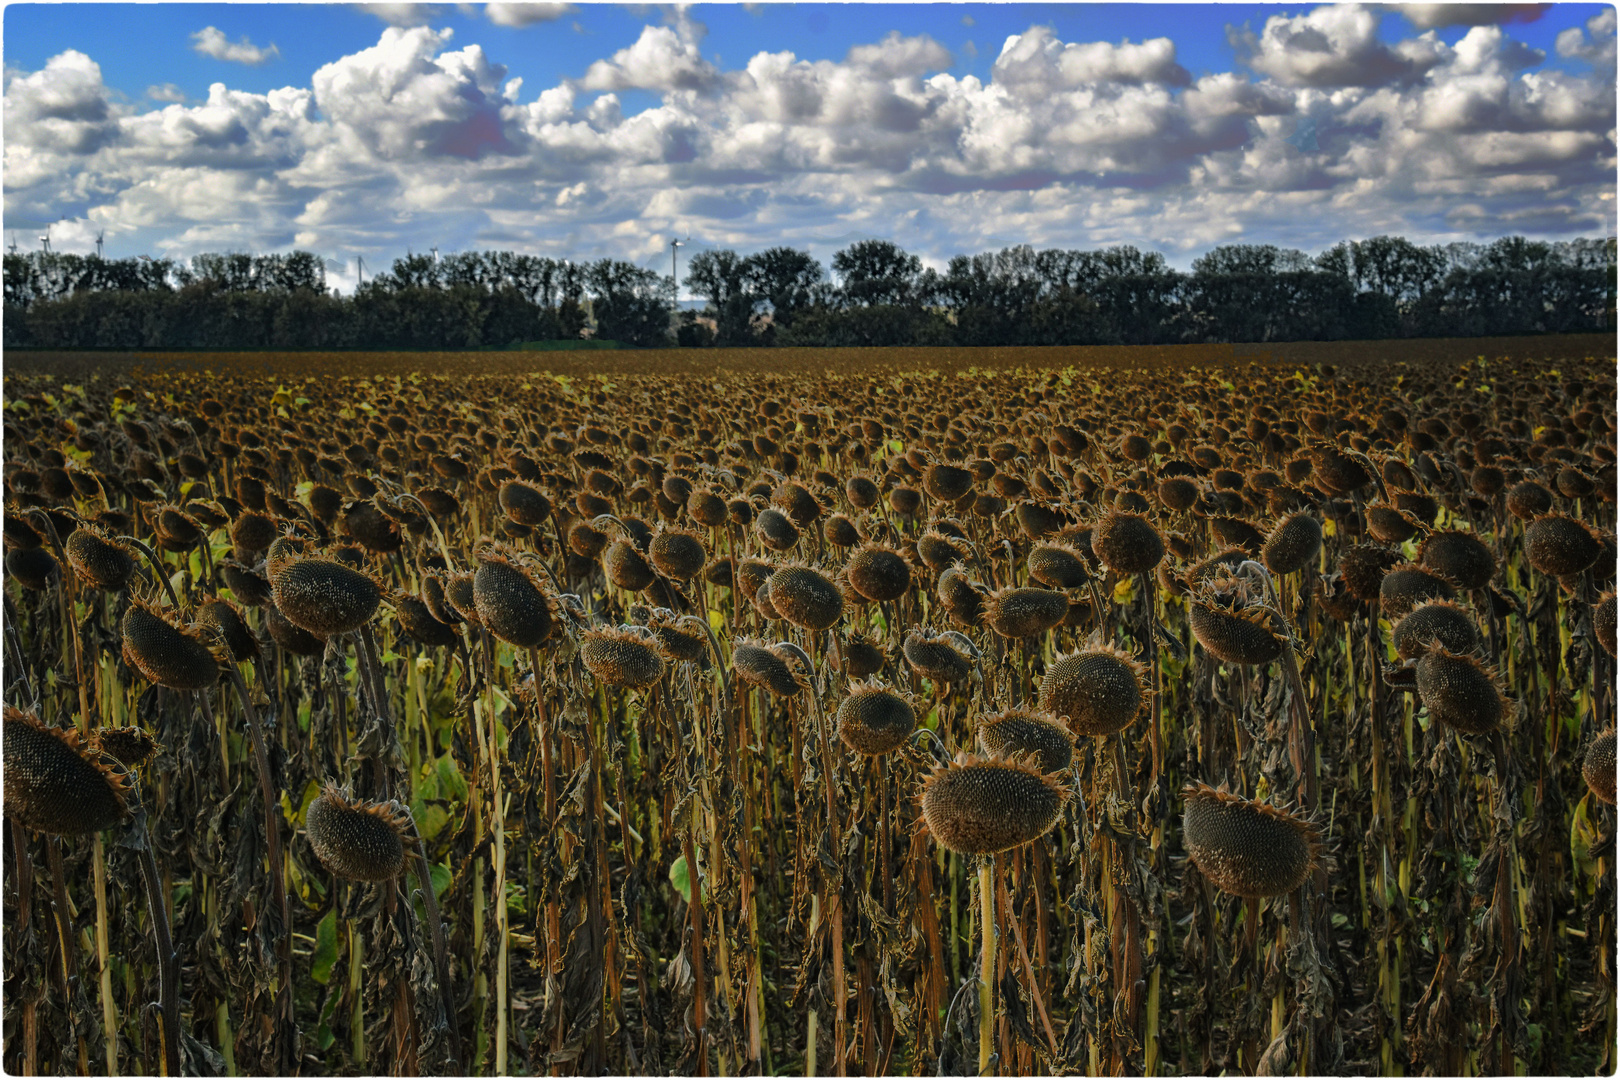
936	657
1233	629
1127	543
1020	612
99	558
1293	543
1246	847
677	552
1597	766
1058	565
875	718
1020	731
511	604
758	664
622	656
979	806
1560	545
1435	620
1096	690
879	573
806	597
178	657
361	841
1459	691
55	782
323	596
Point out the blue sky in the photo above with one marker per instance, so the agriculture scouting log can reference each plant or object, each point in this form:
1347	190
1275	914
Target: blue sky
139	45
369	129
131	40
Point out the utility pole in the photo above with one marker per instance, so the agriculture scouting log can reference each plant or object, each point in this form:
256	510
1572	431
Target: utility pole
674	275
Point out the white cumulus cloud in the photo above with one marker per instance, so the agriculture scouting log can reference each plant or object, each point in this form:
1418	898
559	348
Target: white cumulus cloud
1594	44
1039	63
661	59
211	41
1335	46
63	108
520	15
403	15
408	97
1439	16
898	56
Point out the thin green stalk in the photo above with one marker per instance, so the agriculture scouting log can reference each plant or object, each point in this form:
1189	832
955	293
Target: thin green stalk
498	829
987	964
357	1002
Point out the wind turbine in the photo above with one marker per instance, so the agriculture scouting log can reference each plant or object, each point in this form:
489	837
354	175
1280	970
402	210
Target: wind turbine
45	241
360	270
12	248
99	237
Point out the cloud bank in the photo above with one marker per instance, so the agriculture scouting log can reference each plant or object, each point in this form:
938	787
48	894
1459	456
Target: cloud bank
1323	132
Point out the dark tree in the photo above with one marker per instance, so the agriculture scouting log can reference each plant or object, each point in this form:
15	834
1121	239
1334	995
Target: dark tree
876	272
786	281
1383	287
722	278
630	304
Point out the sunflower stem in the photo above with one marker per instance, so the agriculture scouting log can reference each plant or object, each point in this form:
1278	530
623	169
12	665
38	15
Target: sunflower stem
109	1008
25	906
987	963
168	958
441	961
277	877
498	833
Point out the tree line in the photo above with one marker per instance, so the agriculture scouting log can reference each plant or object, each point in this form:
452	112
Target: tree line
877	294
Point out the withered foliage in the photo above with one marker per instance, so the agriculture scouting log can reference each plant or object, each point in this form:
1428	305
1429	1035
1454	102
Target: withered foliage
648	711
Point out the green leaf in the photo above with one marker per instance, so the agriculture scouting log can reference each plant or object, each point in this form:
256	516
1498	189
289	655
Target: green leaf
451	782
679	878
517	898
312	791
426	786
441	878
431	820
325	948
323	1032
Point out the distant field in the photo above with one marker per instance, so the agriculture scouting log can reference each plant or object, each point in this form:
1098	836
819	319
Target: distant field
700	361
